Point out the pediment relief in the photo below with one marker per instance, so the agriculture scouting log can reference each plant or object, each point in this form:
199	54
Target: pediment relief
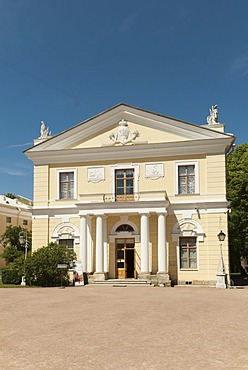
125	133
136	126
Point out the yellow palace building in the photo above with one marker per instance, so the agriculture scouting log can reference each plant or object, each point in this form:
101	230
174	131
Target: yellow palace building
136	194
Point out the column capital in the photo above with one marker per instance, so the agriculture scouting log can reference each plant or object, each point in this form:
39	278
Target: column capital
145	213
164	213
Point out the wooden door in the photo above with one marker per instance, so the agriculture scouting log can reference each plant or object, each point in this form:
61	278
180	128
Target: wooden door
125	258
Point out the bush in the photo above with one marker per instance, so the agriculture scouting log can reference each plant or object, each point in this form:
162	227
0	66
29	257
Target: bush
41	267
13	273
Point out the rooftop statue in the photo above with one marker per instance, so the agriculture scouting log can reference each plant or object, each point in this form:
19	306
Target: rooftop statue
44	132
213	116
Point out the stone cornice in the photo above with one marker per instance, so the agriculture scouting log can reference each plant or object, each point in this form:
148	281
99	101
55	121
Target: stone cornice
131	152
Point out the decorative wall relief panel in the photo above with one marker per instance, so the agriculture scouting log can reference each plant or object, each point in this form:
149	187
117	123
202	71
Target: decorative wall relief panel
95	174
154	171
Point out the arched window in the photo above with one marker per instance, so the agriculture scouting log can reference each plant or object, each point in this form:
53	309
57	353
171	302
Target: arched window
124	227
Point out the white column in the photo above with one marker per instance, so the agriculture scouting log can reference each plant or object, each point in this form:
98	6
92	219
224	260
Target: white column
105	245
99	244
144	241
162	249
83	242
89	244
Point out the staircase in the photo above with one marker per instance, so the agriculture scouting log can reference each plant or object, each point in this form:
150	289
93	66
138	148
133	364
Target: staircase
123	282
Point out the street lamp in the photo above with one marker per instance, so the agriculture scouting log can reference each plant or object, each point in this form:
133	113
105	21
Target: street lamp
221	274
23	240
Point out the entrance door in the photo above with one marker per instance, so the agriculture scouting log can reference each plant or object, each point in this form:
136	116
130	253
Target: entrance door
125	258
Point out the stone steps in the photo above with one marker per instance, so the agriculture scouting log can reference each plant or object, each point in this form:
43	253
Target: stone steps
123	282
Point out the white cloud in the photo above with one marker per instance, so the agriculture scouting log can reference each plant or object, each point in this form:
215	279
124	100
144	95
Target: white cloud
127	23
12	171
18	145
240	65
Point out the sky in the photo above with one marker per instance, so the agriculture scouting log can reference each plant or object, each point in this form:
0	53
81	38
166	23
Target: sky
63	61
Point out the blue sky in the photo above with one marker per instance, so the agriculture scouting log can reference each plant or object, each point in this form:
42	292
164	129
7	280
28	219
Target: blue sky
63	61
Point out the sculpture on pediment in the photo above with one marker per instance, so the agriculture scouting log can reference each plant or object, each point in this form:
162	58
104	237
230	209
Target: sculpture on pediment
123	135
212	118
44	131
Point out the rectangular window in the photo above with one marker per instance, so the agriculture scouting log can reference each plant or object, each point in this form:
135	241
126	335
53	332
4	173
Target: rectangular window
66	185
188	253
186	179
68	242
8	220
25	222
124	184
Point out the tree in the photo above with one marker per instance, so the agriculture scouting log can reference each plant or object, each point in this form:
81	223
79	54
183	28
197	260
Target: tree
41	268
237	194
11	244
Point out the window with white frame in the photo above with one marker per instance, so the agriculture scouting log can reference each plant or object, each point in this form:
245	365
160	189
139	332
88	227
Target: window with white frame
187	181
124	181
66	184
188	253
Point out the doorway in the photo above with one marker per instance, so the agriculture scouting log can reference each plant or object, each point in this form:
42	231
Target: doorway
125	259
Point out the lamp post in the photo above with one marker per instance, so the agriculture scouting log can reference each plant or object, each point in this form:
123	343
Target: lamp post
221	274
23	240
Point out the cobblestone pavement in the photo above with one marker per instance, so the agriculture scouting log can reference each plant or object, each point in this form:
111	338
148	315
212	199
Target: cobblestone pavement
105	327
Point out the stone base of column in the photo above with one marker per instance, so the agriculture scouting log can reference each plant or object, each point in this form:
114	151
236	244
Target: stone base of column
144	275
221	281
163	279
100	276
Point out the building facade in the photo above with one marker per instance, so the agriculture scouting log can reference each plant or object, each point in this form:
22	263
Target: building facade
14	212
136	194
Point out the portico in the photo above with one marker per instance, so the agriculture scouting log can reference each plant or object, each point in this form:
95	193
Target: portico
102	261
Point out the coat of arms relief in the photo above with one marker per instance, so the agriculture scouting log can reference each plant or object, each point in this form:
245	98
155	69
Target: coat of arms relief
123	135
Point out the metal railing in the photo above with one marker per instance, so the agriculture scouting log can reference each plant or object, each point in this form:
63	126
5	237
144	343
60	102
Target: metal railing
135	197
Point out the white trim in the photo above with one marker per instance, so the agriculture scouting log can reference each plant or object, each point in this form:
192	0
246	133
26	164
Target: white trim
124	234
75	234
62	170
187	163
197	230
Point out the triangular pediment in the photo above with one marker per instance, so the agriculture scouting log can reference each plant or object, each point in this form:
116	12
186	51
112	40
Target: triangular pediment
138	127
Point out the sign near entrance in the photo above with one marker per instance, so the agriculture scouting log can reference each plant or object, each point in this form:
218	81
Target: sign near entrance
61	265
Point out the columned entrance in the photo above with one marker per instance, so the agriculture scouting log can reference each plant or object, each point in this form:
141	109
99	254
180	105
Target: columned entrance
125	258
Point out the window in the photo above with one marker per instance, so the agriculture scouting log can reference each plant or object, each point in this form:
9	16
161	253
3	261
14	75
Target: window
186	179
188	253
8	220
124	184
68	242
66	185
124	227
25	222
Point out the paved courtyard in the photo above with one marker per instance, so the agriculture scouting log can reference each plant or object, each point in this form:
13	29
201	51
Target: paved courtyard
105	327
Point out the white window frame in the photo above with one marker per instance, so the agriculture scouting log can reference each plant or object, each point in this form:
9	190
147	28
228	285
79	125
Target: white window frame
125	166
179	254
63	170
187	163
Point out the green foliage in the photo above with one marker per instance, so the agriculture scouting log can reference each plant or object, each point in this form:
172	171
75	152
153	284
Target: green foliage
237	193
41	267
11	253
10	242
12	274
